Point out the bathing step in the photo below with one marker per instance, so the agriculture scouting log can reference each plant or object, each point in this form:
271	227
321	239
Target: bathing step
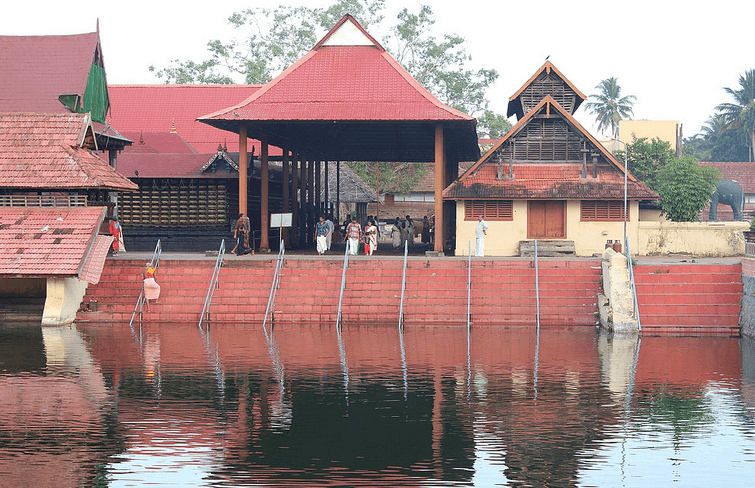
547	248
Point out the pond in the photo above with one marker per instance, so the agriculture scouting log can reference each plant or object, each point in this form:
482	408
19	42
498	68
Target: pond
306	405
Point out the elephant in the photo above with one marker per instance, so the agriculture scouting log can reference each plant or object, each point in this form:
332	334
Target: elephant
729	193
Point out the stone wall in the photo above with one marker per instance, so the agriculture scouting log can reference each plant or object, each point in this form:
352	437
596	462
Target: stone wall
747	318
703	239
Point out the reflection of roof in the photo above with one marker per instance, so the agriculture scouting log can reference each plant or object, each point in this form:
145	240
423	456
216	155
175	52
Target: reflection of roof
146	109
36	70
742	173
349	78
43	242
44	151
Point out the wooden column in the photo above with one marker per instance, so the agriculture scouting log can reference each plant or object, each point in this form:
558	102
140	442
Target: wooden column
318	189
286	193
326	183
338	193
242	170
295	195
440	169
304	201
264	195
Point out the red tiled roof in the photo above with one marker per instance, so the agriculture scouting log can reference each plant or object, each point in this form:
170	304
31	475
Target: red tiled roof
92	270
168	166
157	143
45	151
44	242
545	181
742	173
146	109
36	70
342	83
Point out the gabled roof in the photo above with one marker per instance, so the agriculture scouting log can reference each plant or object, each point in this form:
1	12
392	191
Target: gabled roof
45	151
516	106
45	242
36	70
546	180
167	109
742	173
220	164
157	143
348	78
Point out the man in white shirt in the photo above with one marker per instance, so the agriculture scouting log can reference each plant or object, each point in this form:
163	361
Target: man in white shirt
480	232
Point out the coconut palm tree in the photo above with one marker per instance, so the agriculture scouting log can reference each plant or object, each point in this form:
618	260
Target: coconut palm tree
609	107
741	113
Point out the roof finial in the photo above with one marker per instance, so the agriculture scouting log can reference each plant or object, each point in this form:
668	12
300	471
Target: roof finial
173	129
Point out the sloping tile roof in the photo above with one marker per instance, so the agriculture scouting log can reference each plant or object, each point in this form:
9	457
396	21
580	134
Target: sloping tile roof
136	109
44	242
36	70
179	165
92	270
545	181
742	173
44	151
157	143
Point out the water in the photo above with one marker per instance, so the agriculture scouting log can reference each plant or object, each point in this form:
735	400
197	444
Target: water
169	405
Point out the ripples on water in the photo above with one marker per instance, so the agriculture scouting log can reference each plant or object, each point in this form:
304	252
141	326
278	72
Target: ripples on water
168	405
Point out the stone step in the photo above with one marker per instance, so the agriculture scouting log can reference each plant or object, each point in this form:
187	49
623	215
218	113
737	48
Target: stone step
547	248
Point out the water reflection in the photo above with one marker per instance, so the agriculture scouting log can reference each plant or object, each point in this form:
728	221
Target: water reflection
235	404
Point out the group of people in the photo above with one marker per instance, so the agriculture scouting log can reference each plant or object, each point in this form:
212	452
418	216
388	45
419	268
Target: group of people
353	235
242	231
403	231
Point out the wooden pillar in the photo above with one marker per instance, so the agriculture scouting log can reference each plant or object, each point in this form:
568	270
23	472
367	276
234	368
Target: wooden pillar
242	170
264	195
440	170
295	195
286	193
304	201
318	189
326	183
338	192
310	199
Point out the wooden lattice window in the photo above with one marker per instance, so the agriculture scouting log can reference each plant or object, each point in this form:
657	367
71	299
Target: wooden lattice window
489	209
602	210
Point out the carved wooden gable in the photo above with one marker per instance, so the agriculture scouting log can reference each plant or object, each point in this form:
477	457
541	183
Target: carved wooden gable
546	81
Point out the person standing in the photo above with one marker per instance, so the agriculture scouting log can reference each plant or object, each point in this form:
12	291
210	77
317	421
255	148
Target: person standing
115	229
425	234
321	235
410	230
396	233
353	233
480	232
371	234
331	229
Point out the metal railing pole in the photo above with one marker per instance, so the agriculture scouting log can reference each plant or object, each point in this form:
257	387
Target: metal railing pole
403	288
343	283
213	282
275	284
154	262
632	283
469	288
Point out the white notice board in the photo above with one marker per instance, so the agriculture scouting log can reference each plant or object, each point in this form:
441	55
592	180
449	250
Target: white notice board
281	219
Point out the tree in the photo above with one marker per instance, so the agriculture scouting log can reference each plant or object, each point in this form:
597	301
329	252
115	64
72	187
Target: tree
685	188
609	107
491	125
741	113
399	178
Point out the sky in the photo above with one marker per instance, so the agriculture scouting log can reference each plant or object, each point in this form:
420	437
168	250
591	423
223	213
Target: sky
674	57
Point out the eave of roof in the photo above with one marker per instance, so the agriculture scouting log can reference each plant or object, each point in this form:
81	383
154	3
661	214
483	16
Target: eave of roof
548	66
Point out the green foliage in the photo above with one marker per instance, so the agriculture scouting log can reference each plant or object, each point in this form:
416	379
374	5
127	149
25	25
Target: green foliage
646	159
609	107
398	178
685	188
491	125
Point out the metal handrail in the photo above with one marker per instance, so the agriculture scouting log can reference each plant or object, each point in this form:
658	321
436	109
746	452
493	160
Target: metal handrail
213	283
469	288
276	282
632	284
403	288
343	283
537	344
153	263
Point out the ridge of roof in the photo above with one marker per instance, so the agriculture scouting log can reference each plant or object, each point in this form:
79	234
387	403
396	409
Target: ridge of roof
547	102
548	66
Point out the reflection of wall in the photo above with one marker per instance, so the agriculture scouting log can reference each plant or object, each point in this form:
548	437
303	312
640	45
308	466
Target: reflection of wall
747	315
617	362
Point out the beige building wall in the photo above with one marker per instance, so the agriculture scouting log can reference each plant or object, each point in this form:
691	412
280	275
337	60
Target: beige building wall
703	239
503	237
665	130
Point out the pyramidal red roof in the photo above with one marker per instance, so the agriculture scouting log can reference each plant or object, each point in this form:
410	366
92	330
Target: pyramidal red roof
36	70
170	109
347	76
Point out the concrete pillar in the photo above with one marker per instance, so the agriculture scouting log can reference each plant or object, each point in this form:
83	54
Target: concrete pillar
64	296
